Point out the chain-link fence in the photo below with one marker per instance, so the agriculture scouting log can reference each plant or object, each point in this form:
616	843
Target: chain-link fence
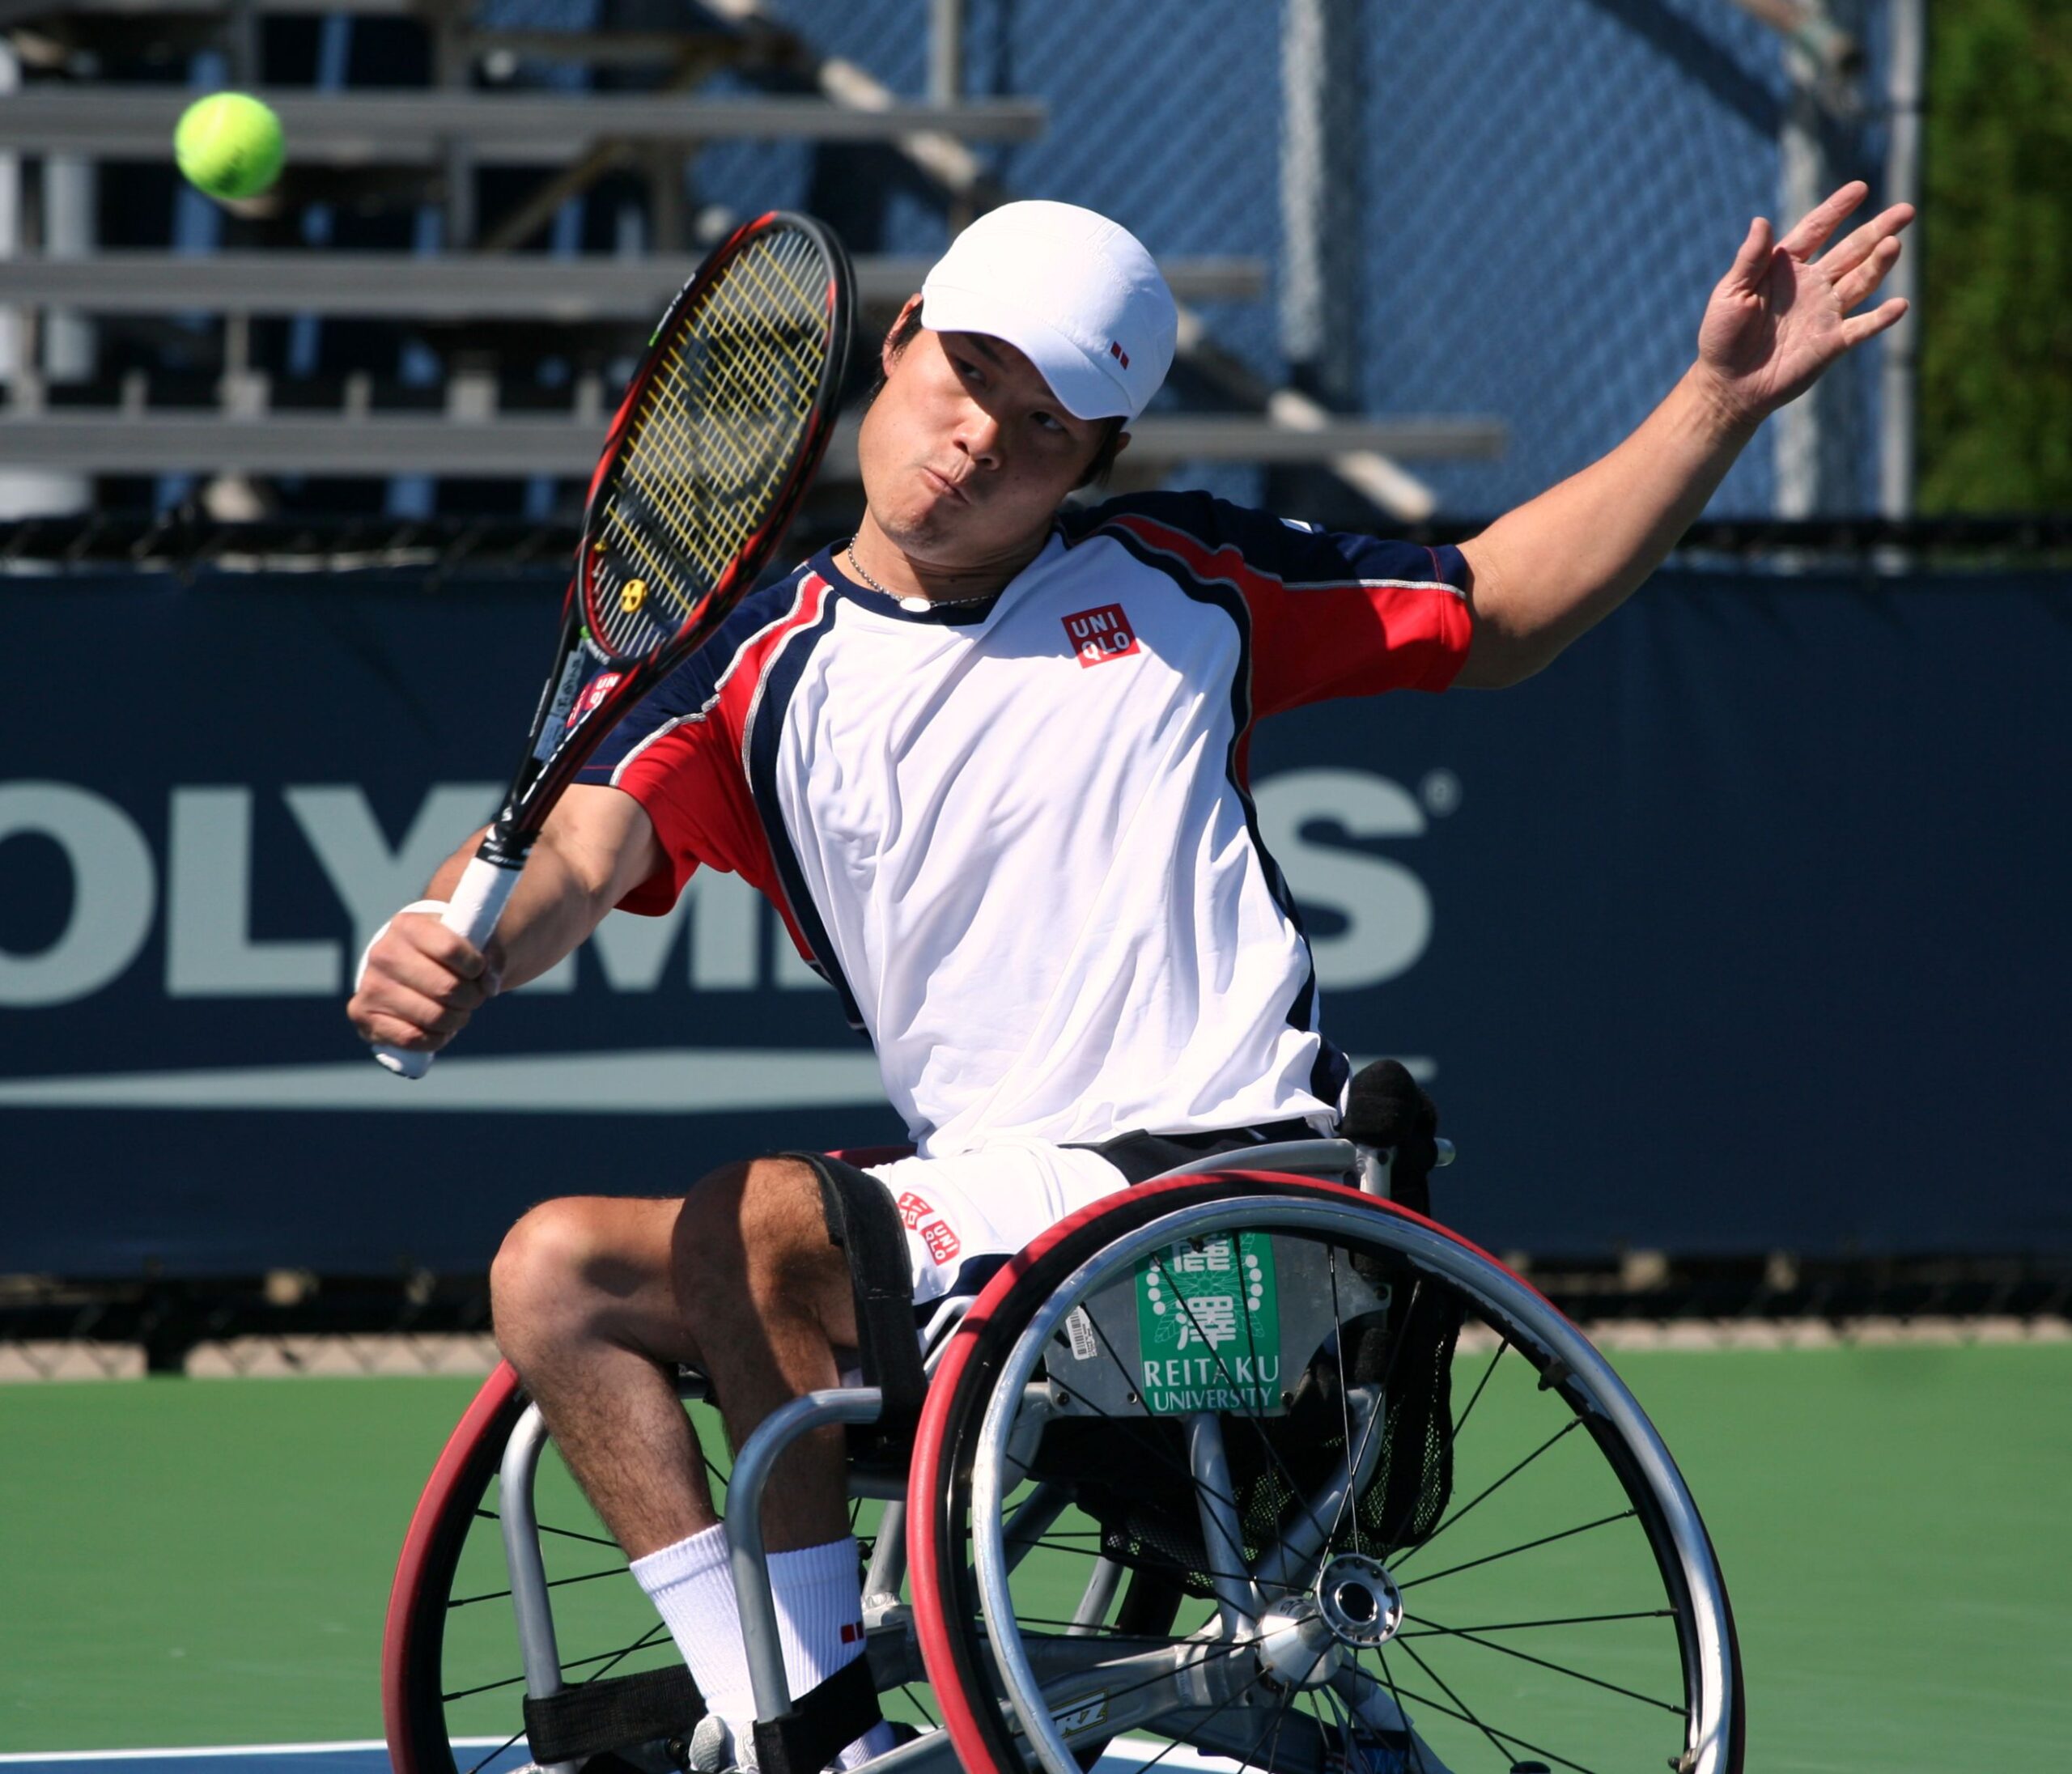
1512	209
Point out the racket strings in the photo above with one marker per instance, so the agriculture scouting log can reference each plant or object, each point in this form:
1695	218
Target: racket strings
715	434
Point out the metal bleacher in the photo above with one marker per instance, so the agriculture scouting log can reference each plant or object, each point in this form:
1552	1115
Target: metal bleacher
490	306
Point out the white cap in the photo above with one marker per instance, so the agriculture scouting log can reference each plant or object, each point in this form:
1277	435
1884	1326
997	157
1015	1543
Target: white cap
1075	293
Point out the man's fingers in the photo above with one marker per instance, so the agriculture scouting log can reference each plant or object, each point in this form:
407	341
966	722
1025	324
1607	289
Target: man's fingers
379	1030
1860	327
388	1003
408	969
1751	263
1866	278
1813	228
426	934
1846	255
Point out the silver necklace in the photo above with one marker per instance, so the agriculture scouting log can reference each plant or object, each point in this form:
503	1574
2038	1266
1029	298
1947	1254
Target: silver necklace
863	573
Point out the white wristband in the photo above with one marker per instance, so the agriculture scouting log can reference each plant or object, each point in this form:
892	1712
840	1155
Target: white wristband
432	908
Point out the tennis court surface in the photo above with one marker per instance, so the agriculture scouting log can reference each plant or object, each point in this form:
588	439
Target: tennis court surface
195	1563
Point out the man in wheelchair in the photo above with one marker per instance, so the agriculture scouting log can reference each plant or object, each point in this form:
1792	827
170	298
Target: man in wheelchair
987	758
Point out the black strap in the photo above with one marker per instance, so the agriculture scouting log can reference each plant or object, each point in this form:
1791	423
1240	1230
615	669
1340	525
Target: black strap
821	1724
650	1707
862	1220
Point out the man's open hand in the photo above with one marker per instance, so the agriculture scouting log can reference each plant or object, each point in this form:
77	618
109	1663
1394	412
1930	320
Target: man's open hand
1782	316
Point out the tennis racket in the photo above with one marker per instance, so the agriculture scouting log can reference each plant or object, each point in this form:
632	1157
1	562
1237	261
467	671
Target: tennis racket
719	434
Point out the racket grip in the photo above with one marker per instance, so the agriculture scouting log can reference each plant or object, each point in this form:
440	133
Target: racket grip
479	898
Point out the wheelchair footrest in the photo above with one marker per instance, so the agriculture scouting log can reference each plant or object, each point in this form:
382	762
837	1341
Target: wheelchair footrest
650	1707
821	1725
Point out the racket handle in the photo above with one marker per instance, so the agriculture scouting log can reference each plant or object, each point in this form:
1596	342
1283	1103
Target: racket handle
479	898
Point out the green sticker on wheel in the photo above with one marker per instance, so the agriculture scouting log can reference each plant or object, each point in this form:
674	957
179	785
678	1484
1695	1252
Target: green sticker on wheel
1208	1327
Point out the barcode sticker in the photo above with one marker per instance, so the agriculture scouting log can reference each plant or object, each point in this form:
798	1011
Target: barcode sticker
1080	1328
552	730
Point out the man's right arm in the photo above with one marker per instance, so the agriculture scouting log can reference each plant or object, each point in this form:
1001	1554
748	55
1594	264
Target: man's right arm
421	981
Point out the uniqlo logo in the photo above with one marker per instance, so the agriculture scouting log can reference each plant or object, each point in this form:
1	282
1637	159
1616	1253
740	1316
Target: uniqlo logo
851	1632
913	1210
600	687
943	1244
1099	635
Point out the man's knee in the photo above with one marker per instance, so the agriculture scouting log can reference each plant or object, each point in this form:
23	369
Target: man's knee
550	1262
757	1228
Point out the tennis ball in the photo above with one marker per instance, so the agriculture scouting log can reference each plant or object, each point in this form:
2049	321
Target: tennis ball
229	145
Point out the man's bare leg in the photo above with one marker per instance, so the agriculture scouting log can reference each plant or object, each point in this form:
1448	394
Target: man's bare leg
766	1296
597	1300
585	1312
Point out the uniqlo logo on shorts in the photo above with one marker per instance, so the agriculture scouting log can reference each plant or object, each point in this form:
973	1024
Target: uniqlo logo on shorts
1099	635
913	1210
943	1244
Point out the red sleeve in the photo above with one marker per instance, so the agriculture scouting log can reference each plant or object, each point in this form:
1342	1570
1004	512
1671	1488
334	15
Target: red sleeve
1311	643
1330	614
689	781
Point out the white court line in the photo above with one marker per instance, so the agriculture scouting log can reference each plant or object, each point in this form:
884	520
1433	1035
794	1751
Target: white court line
190	1755
1130	1751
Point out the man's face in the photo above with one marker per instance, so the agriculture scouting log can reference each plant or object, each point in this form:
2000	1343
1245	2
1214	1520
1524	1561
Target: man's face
965	453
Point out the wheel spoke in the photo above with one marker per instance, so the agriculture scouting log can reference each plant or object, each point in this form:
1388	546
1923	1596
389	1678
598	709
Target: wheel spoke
1417	1749
1467	1636
1497	1738
1204	1569
1353	1455
1377	1420
553	1583
482	1514
1220	1707
1572	1424
492	1755
1433	1629
1475	1397
611	1659
1513	1551
1448	1711
1073	1629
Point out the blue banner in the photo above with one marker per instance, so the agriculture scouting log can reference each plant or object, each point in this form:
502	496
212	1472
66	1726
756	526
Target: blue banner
1741	929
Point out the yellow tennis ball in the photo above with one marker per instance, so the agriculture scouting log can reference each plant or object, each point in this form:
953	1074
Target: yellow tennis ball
229	145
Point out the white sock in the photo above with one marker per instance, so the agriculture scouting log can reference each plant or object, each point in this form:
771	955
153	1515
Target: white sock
819	1623
820	1620
692	1586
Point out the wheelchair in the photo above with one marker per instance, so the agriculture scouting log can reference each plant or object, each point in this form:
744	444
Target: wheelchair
1246	1462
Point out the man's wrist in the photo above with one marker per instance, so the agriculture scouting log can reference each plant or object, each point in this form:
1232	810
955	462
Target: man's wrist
1720	410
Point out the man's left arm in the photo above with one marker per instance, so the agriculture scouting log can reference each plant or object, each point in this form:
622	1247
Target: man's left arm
1554	567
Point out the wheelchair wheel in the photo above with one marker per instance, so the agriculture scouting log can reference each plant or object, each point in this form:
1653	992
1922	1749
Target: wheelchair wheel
1419	1523
453	1683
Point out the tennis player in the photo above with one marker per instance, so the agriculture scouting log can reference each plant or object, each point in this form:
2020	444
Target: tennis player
987	759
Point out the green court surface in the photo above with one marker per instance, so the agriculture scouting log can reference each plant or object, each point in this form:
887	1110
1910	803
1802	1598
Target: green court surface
194	1562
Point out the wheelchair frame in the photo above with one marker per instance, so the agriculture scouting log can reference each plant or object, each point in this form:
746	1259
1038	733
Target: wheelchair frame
1188	1686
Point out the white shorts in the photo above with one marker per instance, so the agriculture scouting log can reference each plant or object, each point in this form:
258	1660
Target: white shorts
973	1211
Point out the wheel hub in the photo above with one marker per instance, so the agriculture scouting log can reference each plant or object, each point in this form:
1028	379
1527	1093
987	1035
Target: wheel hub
1359	1601
1305	1640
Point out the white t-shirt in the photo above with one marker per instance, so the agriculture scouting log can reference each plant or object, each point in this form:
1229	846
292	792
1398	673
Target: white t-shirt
1016	835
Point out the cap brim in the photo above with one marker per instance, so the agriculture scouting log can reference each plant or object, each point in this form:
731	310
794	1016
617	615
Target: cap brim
1084	388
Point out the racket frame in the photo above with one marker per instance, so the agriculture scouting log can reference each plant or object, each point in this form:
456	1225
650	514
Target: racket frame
491	876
